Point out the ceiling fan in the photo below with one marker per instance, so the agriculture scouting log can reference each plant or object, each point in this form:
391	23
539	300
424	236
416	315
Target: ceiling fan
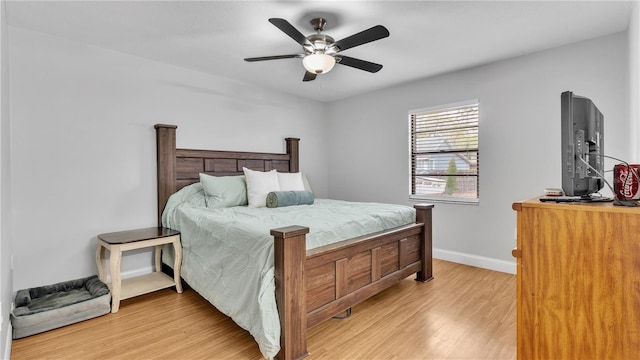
321	50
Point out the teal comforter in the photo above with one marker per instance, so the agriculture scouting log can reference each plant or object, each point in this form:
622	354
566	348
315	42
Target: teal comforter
228	252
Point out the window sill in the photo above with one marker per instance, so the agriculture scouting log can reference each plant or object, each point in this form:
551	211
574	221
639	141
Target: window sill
445	200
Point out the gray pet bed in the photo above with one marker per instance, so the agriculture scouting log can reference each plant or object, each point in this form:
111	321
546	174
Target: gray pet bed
48	307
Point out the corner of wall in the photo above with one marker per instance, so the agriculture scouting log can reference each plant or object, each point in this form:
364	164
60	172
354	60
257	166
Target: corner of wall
634	81
6	241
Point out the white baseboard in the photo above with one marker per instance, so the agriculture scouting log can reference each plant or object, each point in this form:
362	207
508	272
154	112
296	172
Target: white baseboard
448	255
475	260
134	273
137	272
6	354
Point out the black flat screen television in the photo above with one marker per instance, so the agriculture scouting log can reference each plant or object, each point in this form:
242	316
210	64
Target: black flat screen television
582	139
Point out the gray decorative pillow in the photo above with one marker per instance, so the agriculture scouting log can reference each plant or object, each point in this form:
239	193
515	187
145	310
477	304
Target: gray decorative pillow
224	191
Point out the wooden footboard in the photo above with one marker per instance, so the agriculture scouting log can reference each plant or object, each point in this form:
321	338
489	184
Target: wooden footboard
315	285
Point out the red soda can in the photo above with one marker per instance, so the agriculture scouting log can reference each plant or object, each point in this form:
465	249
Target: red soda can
625	182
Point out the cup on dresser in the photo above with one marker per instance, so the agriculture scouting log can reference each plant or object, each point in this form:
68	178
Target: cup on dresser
625	182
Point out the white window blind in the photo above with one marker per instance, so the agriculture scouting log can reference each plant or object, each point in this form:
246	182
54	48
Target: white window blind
444	152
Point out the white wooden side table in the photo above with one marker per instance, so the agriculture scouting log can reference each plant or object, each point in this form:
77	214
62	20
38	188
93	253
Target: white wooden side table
119	242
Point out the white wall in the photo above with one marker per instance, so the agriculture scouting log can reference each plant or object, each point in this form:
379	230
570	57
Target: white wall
83	143
83	152
6	244
519	139
634	82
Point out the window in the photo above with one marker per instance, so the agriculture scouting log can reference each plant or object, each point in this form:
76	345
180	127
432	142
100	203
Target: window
444	153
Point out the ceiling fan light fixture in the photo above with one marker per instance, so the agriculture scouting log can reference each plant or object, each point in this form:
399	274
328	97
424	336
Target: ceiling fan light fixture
318	63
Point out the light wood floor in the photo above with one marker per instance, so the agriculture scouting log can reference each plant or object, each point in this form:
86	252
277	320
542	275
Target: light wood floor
464	313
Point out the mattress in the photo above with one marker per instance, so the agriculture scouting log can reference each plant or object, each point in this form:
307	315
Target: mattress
228	252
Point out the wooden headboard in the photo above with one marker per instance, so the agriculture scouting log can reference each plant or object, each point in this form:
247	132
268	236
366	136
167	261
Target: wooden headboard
180	167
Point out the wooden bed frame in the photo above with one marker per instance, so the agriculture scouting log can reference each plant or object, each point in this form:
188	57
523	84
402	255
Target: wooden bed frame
315	285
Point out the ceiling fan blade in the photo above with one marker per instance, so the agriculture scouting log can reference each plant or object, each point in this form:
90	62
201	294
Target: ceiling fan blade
288	29
372	34
358	64
275	57
308	76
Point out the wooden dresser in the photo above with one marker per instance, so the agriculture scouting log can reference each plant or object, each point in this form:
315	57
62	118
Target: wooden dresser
578	281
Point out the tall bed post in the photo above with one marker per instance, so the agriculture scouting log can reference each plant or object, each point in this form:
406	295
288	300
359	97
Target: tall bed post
289	256
292	150
166	164
423	215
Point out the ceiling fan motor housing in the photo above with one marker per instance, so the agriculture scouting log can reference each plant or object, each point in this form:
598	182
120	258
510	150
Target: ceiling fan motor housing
320	43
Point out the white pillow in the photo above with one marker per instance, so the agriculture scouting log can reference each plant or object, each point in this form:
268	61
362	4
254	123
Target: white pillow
259	184
305	181
290	181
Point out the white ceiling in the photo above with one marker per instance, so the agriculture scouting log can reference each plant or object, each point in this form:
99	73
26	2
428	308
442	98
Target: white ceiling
427	37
